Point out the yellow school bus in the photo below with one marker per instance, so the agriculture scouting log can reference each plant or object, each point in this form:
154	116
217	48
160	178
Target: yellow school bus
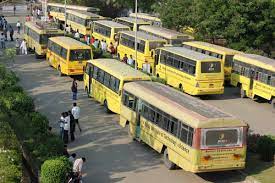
189	71
37	34
104	79
172	37
107	30
131	22
255	75
68	55
188	132
57	10
146	45
81	21
225	54
155	21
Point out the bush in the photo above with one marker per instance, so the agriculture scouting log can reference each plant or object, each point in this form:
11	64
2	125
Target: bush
19	102
252	142
266	148
55	170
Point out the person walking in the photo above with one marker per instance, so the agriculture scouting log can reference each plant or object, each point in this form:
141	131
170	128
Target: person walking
130	61
74	89
77	168
76	114
5	31
23	47
61	125
72	126
77	35
103	45
11	33
17	46
18	25
66	128
2	40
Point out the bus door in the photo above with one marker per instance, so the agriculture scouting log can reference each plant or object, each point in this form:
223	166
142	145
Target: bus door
139	108
90	79
251	82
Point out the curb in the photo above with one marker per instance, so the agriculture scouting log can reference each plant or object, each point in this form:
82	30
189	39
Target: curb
248	179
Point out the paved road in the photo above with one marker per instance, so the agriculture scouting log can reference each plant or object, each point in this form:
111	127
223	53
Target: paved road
111	156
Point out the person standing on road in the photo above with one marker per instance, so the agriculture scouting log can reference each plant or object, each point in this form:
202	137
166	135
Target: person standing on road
66	128
17	46
18	25
76	114
74	89
77	168
72	126
77	35
61	125
72	158
2	40
23	47
11	33
5	31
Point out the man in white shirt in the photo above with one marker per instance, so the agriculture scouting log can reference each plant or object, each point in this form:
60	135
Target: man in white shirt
18	25
77	167
23	47
130	61
103	45
77	35
66	127
76	114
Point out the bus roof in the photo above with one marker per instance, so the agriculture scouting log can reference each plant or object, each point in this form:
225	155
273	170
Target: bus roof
74	7
180	105
163	32
212	47
118	69
110	23
261	61
84	14
189	53
145	16
132	20
143	35
44	27
69	43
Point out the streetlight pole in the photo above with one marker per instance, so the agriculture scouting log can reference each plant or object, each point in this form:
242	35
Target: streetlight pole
65	6
136	4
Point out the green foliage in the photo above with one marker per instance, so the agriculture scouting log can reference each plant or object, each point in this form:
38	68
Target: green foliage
7	78
245	25
266	148
10	157
9	54
55	170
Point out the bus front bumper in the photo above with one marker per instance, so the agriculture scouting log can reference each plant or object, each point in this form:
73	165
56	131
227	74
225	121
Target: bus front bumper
208	91
75	72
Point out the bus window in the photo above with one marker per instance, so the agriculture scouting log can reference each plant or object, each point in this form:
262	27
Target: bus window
79	55
210	67
228	60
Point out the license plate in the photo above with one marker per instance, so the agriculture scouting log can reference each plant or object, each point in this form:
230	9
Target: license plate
211	85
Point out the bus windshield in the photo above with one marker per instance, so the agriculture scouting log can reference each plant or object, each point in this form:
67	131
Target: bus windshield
79	55
223	137
210	67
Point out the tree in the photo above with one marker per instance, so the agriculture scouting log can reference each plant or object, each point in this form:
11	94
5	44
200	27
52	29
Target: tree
175	13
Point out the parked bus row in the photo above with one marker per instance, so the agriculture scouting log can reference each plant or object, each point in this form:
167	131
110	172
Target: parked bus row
176	66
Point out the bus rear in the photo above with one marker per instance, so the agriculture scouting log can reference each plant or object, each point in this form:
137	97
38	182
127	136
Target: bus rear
220	148
209	77
77	60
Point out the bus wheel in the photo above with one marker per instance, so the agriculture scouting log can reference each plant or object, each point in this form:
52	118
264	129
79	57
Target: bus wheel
59	71
273	103
242	93
107	110
170	165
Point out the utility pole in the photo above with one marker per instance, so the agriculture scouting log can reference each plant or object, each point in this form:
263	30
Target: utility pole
65	27
136	4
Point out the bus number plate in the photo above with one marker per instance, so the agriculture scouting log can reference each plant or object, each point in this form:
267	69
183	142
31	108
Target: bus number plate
211	85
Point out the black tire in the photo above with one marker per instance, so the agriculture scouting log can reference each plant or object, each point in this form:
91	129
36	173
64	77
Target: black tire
107	110
181	87
170	165
273	103
59	71
242	93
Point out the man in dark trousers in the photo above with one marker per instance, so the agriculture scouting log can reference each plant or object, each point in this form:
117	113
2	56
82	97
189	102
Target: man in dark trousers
11	33
72	126
74	89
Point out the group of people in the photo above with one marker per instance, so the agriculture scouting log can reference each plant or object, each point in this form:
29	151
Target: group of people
67	123
104	46
5	27
130	61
